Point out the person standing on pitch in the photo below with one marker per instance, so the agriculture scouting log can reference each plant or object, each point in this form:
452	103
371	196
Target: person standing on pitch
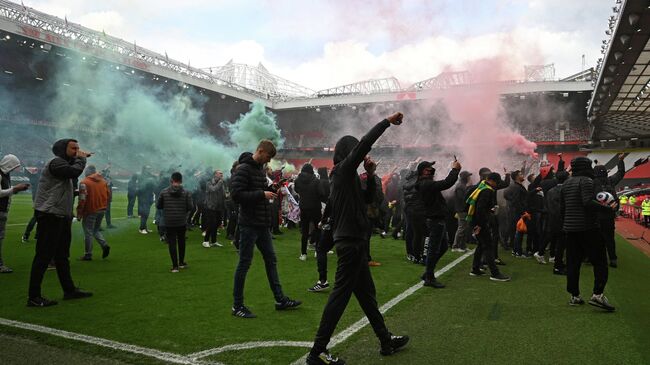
175	203
603	182
94	194
8	164
350	232
53	209
250	191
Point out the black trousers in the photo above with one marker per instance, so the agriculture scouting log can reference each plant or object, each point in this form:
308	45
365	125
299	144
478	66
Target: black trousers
607	228
30	227
324	245
558	246
52	243
586	244
131	202
307	218
418	226
485	250
213	219
232	222
352	277
176	237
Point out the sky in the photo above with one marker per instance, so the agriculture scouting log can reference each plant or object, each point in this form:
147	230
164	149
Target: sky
323	44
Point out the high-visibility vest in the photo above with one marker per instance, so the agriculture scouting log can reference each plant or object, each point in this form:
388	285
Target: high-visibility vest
645	207
623	200
632	200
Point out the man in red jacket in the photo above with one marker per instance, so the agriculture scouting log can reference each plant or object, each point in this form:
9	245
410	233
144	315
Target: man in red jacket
93	200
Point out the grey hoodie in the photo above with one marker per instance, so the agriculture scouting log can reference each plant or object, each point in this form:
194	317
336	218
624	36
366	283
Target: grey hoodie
55	190
7	164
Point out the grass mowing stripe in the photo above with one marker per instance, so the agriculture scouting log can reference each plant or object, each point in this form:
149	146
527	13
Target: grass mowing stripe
357	326
166	356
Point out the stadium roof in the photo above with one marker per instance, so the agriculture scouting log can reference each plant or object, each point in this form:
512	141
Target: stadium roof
619	107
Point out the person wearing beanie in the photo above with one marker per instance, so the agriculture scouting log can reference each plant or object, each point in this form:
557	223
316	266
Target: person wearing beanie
606	219
94	194
8	164
583	237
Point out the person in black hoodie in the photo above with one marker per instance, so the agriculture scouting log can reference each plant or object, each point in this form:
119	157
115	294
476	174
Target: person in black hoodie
516	195
132	189
53	209
554	223
146	187
602	182
583	237
307	186
251	191
350	232
435	213
175	203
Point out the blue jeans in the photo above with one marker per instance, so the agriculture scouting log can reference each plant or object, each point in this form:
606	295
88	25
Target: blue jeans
261	237
91	224
437	245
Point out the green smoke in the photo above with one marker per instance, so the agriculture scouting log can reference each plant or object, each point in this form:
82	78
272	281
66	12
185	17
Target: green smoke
257	124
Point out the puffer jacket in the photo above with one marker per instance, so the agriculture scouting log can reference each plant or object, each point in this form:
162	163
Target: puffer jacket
307	186
248	185
175	202
578	205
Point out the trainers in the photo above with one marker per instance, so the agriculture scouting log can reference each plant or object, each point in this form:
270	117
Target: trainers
393	345
319	287
77	294
477	273
86	258
540	258
613	263
106	250
174	270
302	257
5	270
433	283
216	244
601	301
183	265
559	272
576	301
40	302
500	277
143	231
242	312
499	262
287	303
324	358
203	234
206	244
551	259
24	239
374	263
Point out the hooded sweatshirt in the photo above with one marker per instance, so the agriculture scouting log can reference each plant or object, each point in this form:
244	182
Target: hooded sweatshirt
94	195
56	188
578	204
307	186
7	164
349	215
175	202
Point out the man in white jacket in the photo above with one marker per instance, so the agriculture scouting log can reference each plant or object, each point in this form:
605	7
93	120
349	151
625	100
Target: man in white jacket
8	164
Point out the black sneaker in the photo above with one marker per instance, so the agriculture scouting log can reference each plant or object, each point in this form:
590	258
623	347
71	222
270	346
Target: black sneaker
86	258
500	277
601	301
40	302
575	301
324	358
477	273
106	250
559	272
287	303
319	287
24	239
183	265
499	262
613	263
395	344
433	283
242	312
77	294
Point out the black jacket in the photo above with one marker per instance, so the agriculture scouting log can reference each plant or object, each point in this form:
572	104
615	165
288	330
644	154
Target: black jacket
459	198
323	185
552	207
308	187
578	205
483	211
248	186
349	212
430	194
608	184
410	192
516	196
175	202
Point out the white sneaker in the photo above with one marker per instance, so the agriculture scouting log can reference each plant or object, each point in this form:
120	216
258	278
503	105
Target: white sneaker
551	260
303	258
203	233
143	231
216	244
399	234
539	258
206	244
330	252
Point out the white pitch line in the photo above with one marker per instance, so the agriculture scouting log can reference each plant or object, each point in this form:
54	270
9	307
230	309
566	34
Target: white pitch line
161	355
248	345
358	325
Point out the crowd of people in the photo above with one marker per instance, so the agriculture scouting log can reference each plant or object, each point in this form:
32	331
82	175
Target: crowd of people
570	215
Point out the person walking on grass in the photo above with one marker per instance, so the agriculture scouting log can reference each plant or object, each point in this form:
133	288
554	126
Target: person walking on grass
8	164
34	175
53	209
251	191
350	232
584	238
175	203
308	187
214	208
94	195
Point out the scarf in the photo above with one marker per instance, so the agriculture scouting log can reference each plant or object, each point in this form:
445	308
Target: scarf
471	201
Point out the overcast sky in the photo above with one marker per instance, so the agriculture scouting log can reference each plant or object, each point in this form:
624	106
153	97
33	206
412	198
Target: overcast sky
321	44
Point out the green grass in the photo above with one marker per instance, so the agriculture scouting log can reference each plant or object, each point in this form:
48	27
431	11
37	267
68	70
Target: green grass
137	301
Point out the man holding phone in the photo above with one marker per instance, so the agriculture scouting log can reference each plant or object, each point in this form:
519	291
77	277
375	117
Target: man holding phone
53	208
8	164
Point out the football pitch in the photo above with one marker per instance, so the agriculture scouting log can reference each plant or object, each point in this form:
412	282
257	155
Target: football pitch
143	314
